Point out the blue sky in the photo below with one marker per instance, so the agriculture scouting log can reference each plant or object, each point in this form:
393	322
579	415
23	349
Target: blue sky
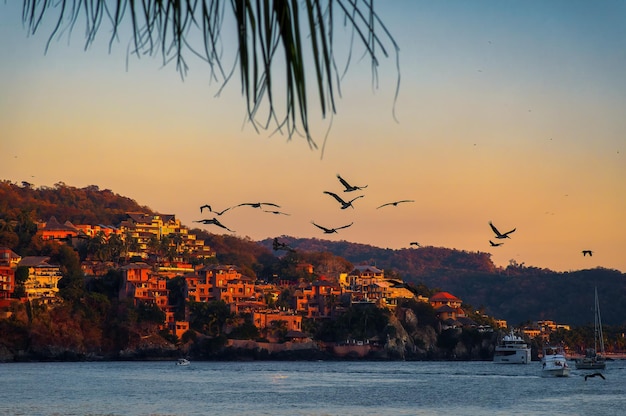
510	112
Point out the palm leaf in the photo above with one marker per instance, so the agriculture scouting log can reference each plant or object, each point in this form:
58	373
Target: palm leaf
263	29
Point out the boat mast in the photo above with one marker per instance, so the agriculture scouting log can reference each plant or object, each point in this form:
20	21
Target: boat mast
598	326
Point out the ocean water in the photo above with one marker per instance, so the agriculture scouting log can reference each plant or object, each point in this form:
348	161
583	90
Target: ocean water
305	388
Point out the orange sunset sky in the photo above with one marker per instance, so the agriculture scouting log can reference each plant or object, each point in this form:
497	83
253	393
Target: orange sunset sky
511	112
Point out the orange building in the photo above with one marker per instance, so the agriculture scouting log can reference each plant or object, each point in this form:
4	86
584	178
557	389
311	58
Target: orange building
42	278
93	230
264	319
8	263
142	285
317	299
54	230
447	306
178	328
237	290
227	284
7	283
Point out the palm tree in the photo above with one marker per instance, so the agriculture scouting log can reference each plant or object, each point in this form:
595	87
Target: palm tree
270	34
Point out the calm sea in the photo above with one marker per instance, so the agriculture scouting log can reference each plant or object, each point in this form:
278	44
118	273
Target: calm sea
304	388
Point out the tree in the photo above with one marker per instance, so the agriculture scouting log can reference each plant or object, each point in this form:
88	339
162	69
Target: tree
278	330
21	276
150	313
246	329
25	228
208	317
270	36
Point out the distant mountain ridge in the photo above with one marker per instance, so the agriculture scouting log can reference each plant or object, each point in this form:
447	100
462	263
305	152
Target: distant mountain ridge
516	293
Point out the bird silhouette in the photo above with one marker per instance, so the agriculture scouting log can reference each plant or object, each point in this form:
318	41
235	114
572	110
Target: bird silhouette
207	206
276	212
277	245
257	204
344	204
331	230
593	375
495	244
395	203
349	188
415	243
585	252
214	221
498	233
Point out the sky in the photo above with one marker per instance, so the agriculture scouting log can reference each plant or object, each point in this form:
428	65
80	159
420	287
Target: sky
510	112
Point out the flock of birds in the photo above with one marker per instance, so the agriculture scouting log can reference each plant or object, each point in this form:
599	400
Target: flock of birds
499	235
273	208
215	221
348	204
502	236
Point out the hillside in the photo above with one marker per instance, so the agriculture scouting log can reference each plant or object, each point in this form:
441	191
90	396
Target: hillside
89	205
516	293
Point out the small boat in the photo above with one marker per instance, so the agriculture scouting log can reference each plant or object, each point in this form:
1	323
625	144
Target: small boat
183	361
512	350
553	362
592	360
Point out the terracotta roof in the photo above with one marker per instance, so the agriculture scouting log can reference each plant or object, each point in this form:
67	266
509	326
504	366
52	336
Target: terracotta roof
54	224
445	308
33	261
371	269
465	321
295	334
10	254
444	296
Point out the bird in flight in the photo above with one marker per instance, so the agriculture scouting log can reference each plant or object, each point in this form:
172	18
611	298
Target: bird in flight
331	230
395	204
494	244
585	252
215	221
415	243
349	188
207	206
344	204
498	233
277	245
257	204
593	375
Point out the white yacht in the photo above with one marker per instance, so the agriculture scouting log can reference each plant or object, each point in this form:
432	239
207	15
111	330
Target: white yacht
183	361
553	362
512	349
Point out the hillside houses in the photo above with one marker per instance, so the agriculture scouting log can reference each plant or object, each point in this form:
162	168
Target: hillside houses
8	263
54	230
368	283
158	248
41	282
43	279
144	229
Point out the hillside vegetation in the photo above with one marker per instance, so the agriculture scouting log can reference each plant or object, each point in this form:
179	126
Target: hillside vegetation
516	293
